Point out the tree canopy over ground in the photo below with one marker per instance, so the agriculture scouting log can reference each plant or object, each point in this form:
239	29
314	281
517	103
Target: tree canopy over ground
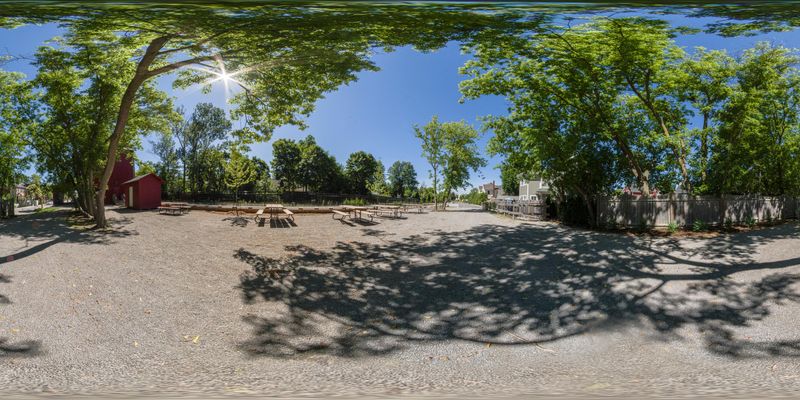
596	101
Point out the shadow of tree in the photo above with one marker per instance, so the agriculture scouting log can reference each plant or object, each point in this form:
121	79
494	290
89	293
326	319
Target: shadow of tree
45	230
26	348
513	285
48	229
241	222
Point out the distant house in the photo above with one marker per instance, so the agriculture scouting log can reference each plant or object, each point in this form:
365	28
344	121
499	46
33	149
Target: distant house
533	190
22	191
492	190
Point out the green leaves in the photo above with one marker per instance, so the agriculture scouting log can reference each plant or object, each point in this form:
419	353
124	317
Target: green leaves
361	171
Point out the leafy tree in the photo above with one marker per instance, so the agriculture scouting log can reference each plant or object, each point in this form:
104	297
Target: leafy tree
16	102
317	170
509	177
239	171
402	179
757	147
167	167
262	182
432	136
37	190
361	171
591	105
704	80
284	57
286	156
207	125
461	155
147	167
79	85
378	185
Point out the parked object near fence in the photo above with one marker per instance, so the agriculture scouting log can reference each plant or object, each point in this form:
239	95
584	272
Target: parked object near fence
661	211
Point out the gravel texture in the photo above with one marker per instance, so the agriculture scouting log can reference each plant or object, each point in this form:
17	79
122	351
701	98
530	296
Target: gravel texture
459	303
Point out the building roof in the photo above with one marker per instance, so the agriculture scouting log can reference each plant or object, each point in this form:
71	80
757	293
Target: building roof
140	177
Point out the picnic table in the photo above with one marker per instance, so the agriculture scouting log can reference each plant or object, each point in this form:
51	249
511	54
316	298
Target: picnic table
358	212
183	207
169	210
274	211
395	211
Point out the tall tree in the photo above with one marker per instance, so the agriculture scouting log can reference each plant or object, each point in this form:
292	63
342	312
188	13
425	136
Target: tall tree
285	57
239	171
167	165
16	116
207	125
756	151
432	136
361	170
402	179
286	156
461	155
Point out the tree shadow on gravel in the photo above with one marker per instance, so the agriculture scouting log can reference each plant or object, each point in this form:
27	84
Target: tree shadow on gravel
8	349
43	230
241	222
514	286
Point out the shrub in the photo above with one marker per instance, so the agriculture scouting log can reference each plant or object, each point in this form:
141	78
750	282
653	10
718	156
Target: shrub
612	225
751	222
355	202
672	228
699	225
643	226
728	224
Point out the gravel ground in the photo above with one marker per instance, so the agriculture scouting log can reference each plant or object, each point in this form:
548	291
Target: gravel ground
461	303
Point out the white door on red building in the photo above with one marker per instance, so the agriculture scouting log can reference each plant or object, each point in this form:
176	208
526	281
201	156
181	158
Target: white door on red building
130	197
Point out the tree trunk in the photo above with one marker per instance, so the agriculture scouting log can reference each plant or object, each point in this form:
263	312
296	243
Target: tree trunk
141	75
435	194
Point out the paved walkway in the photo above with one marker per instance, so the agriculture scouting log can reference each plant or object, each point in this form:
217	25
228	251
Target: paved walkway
458	302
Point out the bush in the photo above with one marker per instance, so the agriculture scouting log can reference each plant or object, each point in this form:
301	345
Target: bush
751	222
612	225
672	228
643	226
354	202
699	226
728	224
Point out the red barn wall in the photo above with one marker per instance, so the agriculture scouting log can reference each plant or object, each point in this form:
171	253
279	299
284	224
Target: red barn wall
147	193
123	172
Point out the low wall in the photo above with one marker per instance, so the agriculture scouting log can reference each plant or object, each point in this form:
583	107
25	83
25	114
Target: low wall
253	209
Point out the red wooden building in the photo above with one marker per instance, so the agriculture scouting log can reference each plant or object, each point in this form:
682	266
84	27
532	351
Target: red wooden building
143	192
123	172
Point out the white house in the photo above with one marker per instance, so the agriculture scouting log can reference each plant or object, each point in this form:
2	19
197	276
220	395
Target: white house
533	190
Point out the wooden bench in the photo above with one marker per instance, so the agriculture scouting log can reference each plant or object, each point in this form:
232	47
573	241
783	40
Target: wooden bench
289	214
369	214
342	215
259	215
170	210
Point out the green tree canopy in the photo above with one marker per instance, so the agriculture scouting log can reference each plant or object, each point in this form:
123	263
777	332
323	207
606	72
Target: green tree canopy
361	170
402	179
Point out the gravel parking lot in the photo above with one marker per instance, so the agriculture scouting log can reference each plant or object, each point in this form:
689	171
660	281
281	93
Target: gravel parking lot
450	303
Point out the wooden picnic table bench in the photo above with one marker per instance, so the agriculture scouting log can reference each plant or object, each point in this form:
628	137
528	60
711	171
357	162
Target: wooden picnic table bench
342	215
170	210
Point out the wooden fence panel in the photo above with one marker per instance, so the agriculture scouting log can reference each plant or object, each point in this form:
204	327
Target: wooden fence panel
660	211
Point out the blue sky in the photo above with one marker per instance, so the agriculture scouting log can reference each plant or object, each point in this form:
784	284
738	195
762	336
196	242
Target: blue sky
376	113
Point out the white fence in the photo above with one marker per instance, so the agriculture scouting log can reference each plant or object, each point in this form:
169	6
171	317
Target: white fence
630	211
